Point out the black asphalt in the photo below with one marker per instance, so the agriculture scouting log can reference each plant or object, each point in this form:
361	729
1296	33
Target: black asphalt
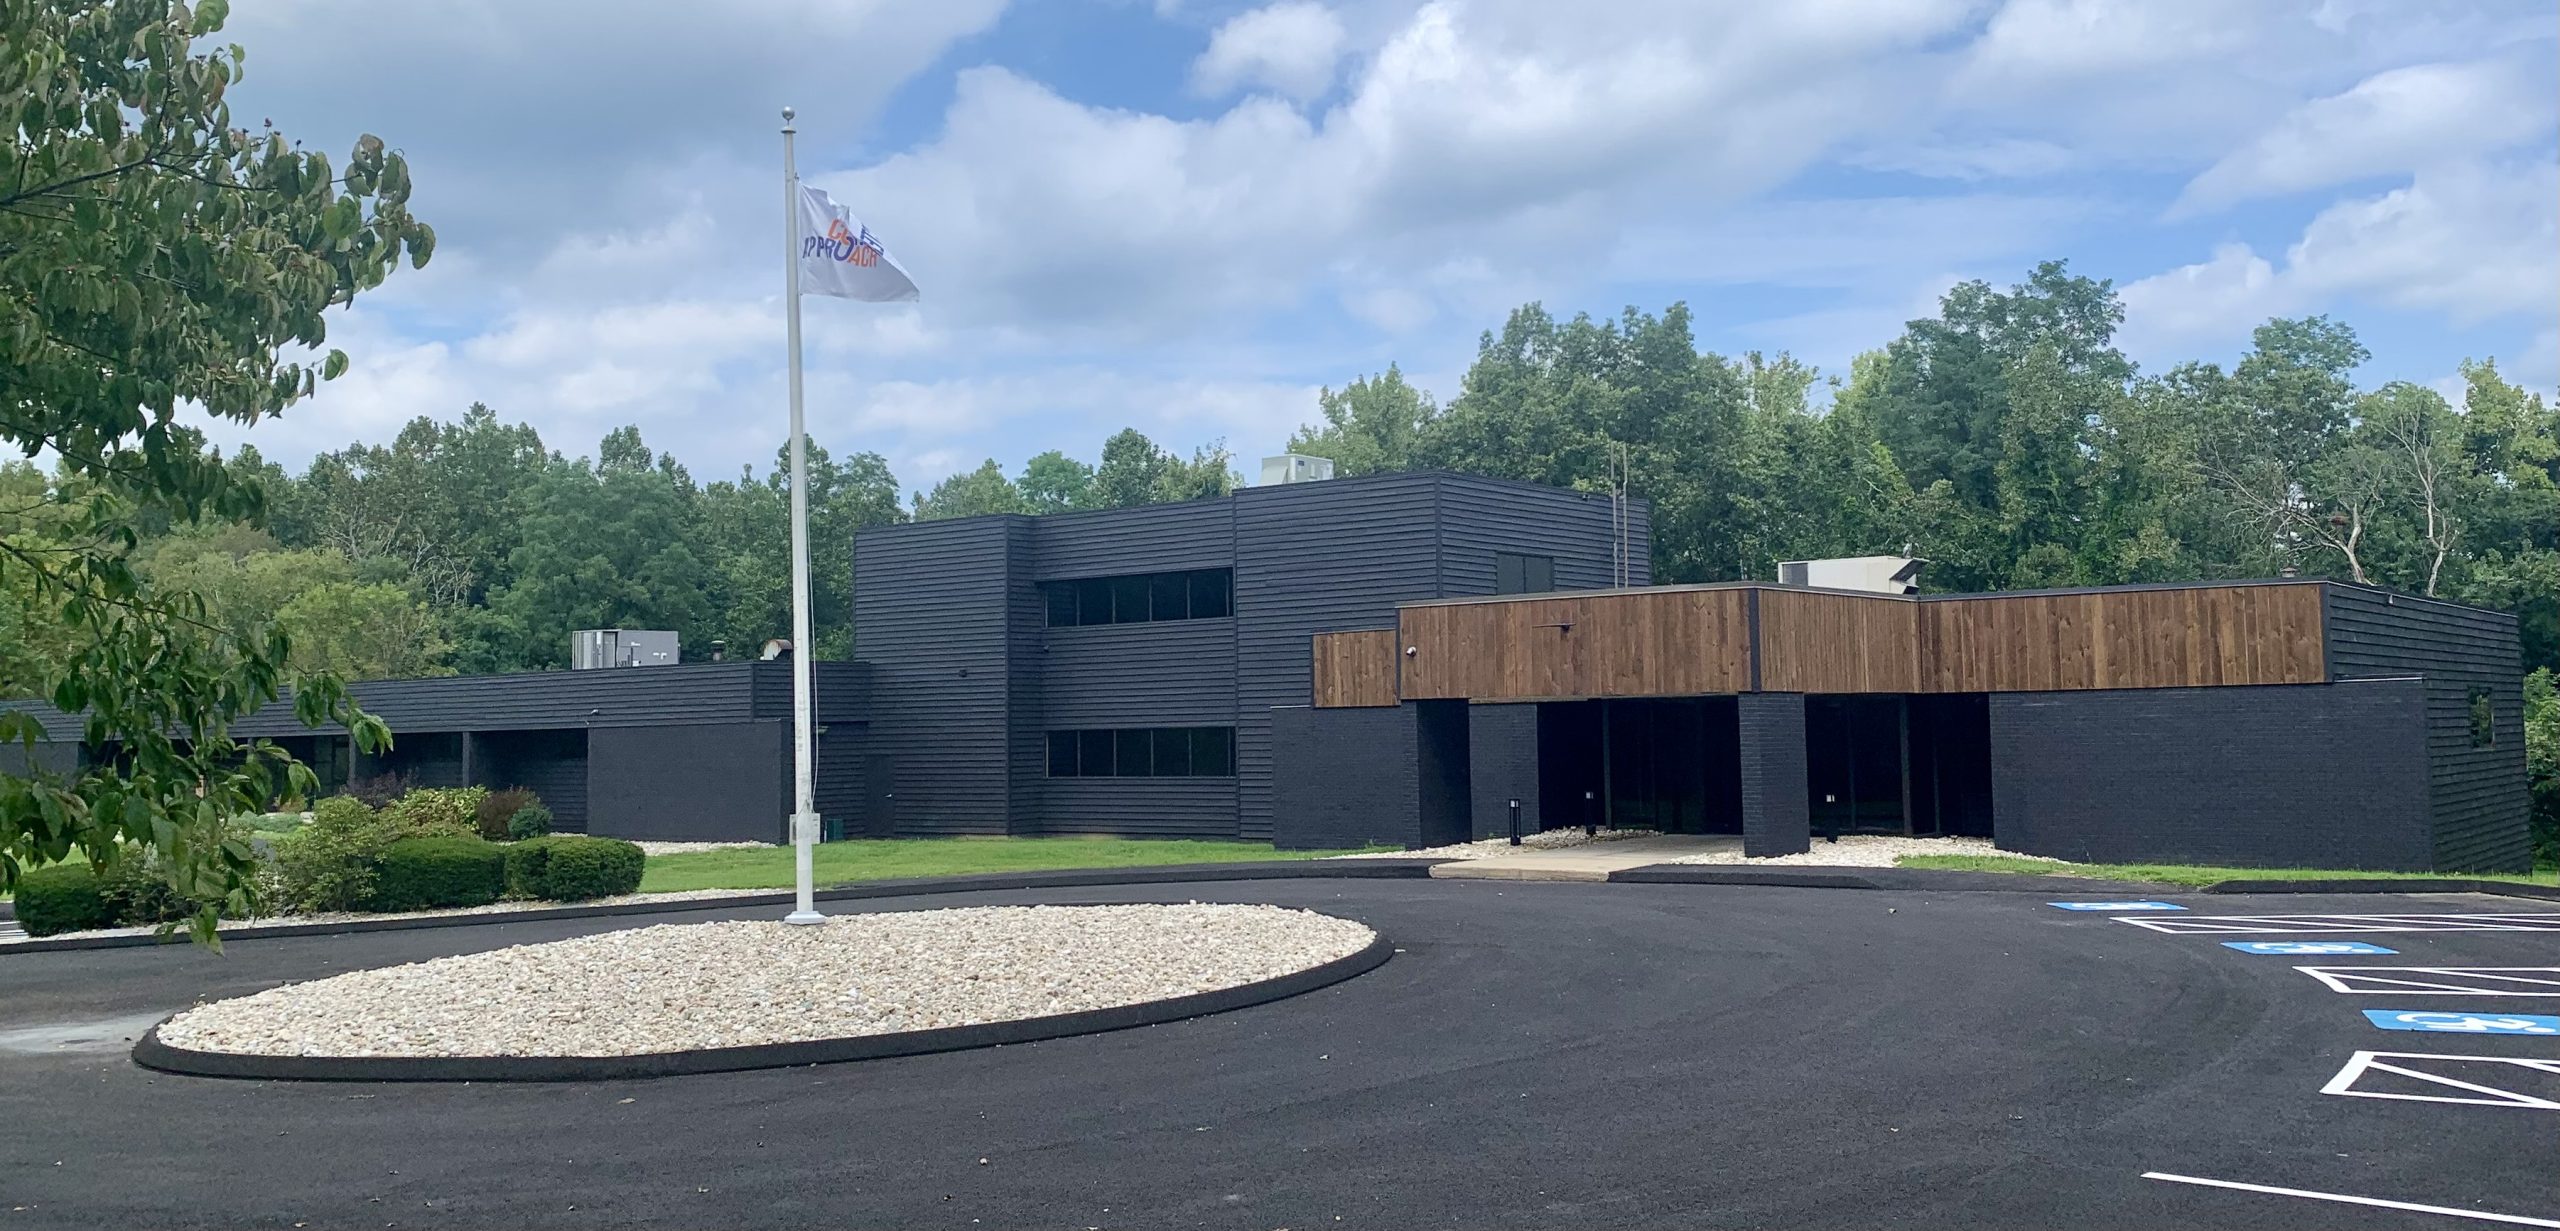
1537	1055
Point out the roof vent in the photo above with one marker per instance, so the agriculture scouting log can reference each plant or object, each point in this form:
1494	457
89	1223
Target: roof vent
1295	468
1871	574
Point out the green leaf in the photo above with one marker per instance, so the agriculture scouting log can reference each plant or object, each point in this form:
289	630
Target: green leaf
335	366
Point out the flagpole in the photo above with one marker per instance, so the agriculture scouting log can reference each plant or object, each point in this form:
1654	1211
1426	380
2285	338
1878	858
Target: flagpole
804	810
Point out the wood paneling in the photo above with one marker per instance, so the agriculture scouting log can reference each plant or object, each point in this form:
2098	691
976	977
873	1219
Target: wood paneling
1355	669
1811	641
1657	643
2170	638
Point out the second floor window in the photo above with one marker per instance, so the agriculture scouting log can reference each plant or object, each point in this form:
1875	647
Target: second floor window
1139	598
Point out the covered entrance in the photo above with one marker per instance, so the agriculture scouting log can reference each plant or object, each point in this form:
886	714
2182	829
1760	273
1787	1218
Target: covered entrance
1669	763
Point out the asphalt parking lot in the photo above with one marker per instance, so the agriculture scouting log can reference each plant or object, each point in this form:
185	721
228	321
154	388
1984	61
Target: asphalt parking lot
1535	1055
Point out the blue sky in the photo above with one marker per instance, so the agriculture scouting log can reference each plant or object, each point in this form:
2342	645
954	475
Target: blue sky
1187	216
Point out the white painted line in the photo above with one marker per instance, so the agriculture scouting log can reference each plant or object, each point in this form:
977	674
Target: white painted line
2438	980
2299	924
2364	1062
2518	1220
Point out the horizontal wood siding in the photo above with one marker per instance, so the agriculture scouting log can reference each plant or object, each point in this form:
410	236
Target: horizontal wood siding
1816	642
932	617
2477	796
2166	638
1355	669
1480	517
1645	644
1176	673
1140	807
1154	538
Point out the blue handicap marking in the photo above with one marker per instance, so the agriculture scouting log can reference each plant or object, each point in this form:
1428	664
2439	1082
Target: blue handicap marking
2114	906
2305	947
2463	1023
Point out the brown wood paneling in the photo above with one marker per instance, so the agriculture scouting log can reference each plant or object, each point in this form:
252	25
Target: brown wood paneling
1355	669
1812	641
1656	643
2171	638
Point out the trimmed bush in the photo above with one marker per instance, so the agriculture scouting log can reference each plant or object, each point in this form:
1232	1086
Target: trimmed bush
497	808
429	873
62	898
436	812
573	868
530	821
135	893
329	865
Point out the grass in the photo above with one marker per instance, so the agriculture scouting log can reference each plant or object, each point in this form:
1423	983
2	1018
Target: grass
884	858
2185	874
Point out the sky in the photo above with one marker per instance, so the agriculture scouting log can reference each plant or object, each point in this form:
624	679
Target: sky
1188	217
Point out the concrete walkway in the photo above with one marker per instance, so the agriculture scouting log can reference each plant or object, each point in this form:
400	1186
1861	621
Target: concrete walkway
1590	862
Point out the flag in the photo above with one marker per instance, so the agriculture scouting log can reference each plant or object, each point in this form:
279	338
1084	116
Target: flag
839	256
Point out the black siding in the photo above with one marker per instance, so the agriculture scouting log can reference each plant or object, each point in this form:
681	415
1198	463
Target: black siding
551	764
2475	796
1479	517
932	615
1346	778
1502	760
729	782
1777	817
2308	775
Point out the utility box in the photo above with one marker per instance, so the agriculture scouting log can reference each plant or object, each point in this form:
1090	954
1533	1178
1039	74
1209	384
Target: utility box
1295	468
591	648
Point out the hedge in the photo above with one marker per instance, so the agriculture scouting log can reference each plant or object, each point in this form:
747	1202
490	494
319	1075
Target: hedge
573	868
435	872
62	898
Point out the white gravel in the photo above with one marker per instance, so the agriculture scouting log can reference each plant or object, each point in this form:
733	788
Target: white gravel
655	849
1862	851
1549	840
682	987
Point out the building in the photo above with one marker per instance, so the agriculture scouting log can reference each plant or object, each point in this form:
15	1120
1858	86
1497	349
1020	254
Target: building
1400	659
2279	723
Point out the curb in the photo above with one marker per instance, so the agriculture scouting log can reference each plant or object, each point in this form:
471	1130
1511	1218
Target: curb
151	1053
1708	874
2414	884
969	882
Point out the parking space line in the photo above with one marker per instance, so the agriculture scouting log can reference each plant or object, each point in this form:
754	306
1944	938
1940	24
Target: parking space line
2438	980
2283	924
2400	1064
2518	1220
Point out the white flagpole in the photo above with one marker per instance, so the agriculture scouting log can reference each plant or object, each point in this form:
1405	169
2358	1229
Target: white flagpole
804	811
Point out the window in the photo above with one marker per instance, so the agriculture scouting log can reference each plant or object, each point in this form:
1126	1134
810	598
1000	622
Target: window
1516	574
1140	598
2484	720
1144	752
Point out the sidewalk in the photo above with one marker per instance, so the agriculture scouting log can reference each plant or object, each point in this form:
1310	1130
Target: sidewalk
1591	862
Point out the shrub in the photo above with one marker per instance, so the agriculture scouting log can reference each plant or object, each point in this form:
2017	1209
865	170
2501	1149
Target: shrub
530	821
378	791
62	898
498	808
573	868
330	864
428	873
436	812
2542	763
275	822
136	892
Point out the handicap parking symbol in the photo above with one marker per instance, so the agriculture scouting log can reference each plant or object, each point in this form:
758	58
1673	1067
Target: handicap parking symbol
2463	1023
2114	906
2313	948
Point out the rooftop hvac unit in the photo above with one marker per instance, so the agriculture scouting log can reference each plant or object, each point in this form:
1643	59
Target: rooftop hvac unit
1295	468
591	648
1872	574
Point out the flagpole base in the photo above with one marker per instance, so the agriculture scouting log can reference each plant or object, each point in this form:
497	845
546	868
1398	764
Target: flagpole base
803	918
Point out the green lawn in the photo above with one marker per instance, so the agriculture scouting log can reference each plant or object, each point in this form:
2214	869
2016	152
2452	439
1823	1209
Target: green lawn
884	858
2179	874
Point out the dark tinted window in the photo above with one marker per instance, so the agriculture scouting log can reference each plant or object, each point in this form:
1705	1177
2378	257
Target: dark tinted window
1093	754
1518	574
1144	752
1209	593
1192	594
1172	752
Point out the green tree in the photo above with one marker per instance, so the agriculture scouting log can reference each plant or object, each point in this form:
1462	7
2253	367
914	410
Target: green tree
1053	482
746	535
968	494
1371	426
154	255
608	544
1133	471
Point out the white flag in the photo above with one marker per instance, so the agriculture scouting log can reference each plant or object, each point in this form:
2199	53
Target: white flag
840	256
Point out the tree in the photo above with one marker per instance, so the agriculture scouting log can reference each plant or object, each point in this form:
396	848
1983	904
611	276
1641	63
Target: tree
608	544
153	255
1132	472
1053	482
1372	426
983	490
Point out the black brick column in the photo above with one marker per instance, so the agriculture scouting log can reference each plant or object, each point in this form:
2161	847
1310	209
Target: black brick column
1776	820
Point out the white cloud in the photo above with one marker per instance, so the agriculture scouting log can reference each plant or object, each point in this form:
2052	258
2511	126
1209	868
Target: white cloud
2472	242
2393	121
1290	47
1999	158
